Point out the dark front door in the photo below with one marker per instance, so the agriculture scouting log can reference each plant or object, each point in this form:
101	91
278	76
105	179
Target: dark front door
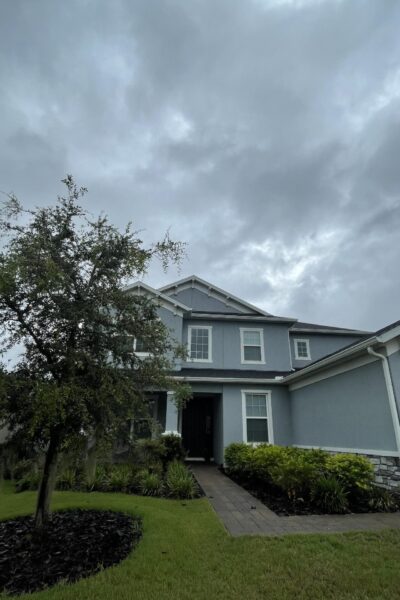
197	427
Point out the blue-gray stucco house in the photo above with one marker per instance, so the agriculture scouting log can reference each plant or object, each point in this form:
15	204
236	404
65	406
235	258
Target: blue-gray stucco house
257	377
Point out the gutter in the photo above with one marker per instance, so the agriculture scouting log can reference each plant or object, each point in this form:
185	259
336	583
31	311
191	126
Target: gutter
252	380
390	392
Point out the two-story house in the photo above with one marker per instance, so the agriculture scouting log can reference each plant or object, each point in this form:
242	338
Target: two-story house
257	378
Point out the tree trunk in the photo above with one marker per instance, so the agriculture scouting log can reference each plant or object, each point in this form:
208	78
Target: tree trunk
47	484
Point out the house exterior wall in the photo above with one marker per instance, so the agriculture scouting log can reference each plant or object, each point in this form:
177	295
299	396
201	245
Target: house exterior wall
200	301
174	322
226	350
394	365
320	345
349	410
233	412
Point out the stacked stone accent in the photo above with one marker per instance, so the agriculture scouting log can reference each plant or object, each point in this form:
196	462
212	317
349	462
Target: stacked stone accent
387	471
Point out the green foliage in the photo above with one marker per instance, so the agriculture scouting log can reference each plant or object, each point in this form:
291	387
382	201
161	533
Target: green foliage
119	478
173	448
294	474
67	479
62	299
355	472
148	452
30	481
238	458
150	484
381	500
96	480
22	468
307	474
329	495
180	481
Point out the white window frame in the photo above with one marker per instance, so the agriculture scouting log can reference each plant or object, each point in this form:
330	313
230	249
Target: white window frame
139	354
296	354
201	360
252	362
270	425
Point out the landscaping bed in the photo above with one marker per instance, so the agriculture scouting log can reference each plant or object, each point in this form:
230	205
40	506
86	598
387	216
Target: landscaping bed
292	481
151	467
75	544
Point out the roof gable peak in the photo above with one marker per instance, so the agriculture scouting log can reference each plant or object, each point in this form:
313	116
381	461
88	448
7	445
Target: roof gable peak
193	281
166	301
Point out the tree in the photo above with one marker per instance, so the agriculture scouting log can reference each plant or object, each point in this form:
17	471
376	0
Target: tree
62	278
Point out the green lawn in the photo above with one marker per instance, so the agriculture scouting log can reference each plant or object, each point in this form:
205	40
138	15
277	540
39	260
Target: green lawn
186	554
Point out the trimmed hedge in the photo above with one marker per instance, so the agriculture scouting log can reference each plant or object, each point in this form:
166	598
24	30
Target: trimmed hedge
333	483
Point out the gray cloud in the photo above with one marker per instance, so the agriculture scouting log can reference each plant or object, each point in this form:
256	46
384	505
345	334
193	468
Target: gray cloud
266	134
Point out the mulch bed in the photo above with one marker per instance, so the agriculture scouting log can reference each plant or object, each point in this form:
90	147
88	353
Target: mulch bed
76	543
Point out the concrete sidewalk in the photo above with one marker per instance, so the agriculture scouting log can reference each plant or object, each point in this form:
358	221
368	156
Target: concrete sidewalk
242	514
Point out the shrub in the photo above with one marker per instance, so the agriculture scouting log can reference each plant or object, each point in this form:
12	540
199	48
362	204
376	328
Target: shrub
180	481
264	459
29	482
148	452
66	480
294	475
238	458
173	448
353	471
97	480
150	484
329	495
382	500
119	478
22	468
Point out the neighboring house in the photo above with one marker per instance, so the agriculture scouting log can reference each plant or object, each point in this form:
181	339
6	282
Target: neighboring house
258	378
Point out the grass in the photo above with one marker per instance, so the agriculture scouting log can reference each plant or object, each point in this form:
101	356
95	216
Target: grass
186	554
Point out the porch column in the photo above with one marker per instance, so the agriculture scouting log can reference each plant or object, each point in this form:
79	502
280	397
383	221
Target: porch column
172	415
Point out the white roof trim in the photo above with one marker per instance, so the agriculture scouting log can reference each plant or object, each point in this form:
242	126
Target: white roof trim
252	380
351	332
228	298
164	300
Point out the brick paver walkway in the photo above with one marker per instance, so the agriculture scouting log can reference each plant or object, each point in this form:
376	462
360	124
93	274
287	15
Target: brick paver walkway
242	514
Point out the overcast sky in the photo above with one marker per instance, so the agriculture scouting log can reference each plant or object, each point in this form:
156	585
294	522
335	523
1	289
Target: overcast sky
265	134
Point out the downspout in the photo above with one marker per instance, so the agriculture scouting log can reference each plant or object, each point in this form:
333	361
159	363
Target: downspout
390	392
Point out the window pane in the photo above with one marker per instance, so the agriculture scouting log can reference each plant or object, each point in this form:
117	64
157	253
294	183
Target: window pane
257	430
302	349
256	405
199	343
252	353
251	338
142	345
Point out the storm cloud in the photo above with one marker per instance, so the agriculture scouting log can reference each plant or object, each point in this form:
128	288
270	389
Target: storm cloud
265	134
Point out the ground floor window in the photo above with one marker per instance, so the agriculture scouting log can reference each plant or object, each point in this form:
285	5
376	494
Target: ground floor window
257	417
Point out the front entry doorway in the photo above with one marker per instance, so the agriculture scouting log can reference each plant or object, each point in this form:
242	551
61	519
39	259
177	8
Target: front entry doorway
197	427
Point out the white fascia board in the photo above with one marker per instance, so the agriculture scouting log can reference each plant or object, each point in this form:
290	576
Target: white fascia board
193	379
164	300
389	335
350	332
239	317
228	298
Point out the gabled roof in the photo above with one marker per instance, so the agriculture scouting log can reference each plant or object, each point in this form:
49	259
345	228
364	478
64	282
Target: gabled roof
166	301
204	286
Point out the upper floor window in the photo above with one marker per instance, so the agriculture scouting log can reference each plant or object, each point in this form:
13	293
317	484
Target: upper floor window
141	348
302	349
200	344
257	417
252	345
